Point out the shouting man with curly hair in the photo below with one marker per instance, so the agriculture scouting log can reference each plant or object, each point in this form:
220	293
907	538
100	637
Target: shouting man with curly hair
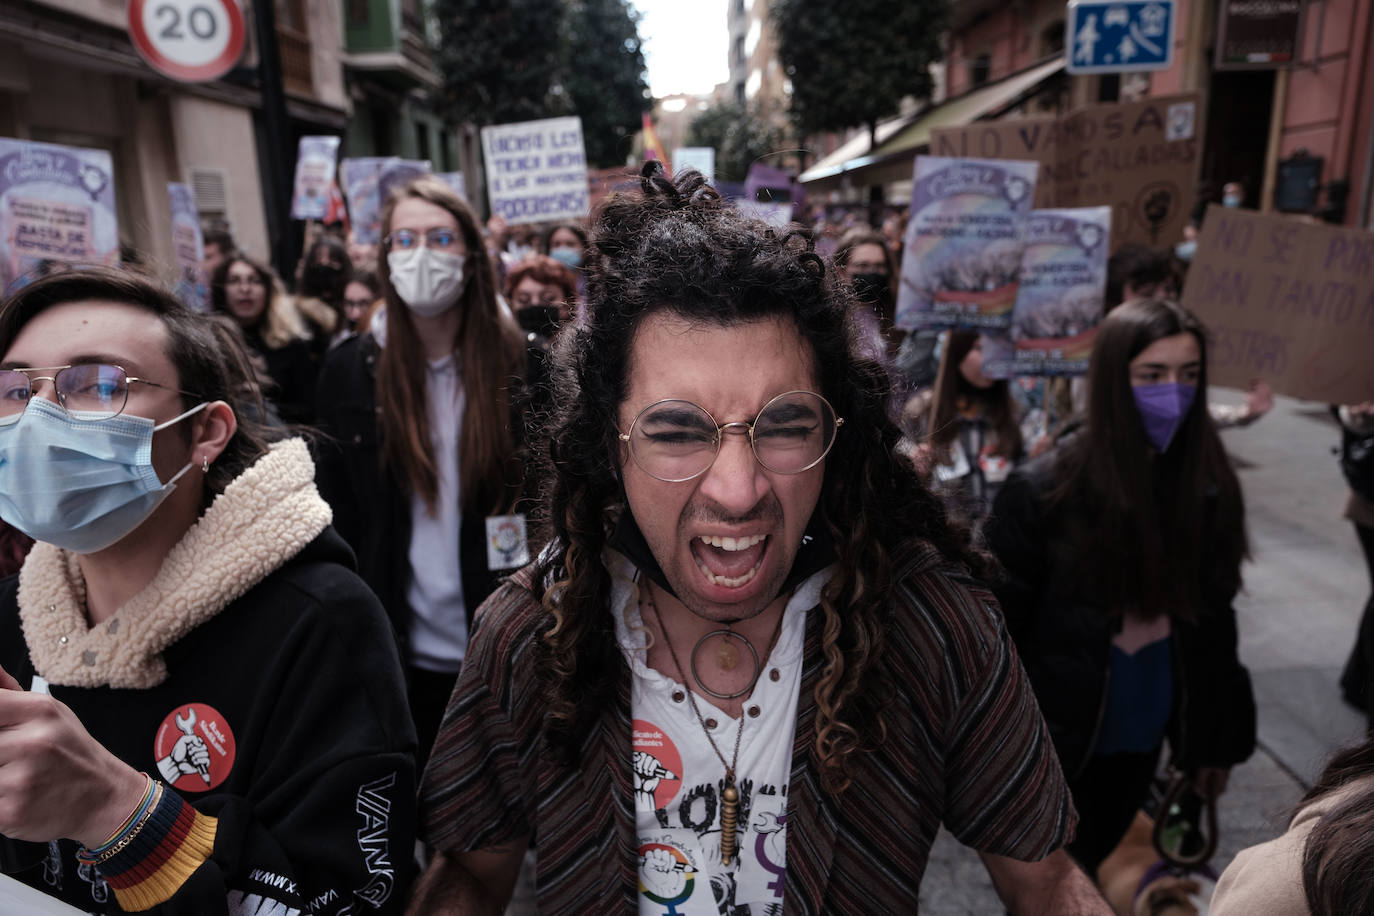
752	671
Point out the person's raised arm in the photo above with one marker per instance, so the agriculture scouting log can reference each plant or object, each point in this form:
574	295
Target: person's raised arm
1054	886
469	883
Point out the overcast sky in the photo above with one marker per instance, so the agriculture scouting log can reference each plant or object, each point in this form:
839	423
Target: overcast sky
686	44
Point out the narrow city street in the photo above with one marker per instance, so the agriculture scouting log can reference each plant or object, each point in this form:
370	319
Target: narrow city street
1303	593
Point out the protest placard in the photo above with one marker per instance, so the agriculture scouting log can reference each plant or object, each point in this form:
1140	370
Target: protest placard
1059	296
57	203
537	170
1139	158
701	158
368	183
963	243
315	165
1288	301
455	181
188	245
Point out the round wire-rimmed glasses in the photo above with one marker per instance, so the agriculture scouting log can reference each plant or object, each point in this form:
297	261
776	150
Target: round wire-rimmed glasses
85	391
674	440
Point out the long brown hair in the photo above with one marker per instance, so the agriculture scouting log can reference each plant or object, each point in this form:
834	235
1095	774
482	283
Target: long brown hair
488	346
952	391
280	322
1168	530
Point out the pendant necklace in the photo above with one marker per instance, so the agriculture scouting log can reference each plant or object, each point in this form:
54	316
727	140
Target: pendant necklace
729	796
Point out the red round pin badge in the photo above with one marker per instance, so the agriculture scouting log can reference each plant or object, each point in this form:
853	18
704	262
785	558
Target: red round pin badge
657	765
194	748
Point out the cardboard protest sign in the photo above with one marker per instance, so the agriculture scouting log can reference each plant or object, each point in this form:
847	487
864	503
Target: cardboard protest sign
1288	301
368	183
1139	158
188	245
537	170
1059	297
57	203
963	243
315	159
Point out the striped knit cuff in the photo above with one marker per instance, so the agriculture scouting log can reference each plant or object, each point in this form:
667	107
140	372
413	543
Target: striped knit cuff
173	843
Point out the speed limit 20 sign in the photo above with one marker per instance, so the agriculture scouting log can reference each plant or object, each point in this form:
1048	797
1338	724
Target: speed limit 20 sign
188	40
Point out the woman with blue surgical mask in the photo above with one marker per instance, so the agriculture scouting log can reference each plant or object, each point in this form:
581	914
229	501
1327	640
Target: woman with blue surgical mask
184	624
1122	550
567	243
423	460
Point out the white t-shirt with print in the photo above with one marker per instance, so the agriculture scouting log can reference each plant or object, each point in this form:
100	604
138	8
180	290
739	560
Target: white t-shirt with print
678	778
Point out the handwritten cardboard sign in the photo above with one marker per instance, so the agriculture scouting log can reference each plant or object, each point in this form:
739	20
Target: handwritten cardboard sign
1139	158
1288	301
963	243
537	170
57	203
1059	297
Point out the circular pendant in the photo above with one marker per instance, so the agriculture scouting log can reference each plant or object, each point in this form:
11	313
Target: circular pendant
727	656
732	641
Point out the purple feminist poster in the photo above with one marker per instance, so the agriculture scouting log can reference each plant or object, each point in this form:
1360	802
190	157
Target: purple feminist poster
189	247
367	183
963	243
57	205
1059	298
315	167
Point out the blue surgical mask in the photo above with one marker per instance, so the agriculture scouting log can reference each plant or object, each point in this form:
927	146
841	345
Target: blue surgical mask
568	257
80	485
1186	250
1163	408
1230	200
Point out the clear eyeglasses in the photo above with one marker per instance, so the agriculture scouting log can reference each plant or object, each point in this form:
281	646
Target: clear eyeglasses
675	440
408	239
86	391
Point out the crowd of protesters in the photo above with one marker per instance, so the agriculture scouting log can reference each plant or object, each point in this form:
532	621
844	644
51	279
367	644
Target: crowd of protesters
406	550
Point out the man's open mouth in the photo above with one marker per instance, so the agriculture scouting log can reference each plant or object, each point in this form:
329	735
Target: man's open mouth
729	562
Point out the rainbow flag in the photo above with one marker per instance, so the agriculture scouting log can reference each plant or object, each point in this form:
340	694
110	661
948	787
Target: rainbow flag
653	148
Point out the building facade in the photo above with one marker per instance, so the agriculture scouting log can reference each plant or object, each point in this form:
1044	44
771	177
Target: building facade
69	74
1260	124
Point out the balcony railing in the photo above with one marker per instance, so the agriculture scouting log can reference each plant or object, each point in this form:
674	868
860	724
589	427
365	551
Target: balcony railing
295	61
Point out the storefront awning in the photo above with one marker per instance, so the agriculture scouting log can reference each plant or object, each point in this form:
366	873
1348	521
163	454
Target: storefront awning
902	138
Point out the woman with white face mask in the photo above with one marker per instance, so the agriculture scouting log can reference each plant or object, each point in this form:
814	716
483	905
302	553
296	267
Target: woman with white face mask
185	727
423	463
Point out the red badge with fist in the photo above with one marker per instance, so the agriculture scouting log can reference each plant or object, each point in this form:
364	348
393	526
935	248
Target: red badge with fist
194	748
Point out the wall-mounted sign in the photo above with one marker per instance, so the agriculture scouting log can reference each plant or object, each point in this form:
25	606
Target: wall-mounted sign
1258	36
1120	36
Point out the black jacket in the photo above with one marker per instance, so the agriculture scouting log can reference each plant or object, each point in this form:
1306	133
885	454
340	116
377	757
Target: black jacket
319	802
371	507
1064	637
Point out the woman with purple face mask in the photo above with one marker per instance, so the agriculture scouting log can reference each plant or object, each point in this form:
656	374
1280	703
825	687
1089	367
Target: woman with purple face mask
1122	551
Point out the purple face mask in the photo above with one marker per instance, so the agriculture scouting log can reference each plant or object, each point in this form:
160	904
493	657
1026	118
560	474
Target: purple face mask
1162	408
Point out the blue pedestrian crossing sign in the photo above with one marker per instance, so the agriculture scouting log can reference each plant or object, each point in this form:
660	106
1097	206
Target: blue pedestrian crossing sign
1120	36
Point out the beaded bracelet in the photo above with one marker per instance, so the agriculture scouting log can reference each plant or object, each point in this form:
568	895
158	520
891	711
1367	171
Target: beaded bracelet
125	835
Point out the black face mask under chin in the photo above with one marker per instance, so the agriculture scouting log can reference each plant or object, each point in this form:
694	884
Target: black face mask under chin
815	553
